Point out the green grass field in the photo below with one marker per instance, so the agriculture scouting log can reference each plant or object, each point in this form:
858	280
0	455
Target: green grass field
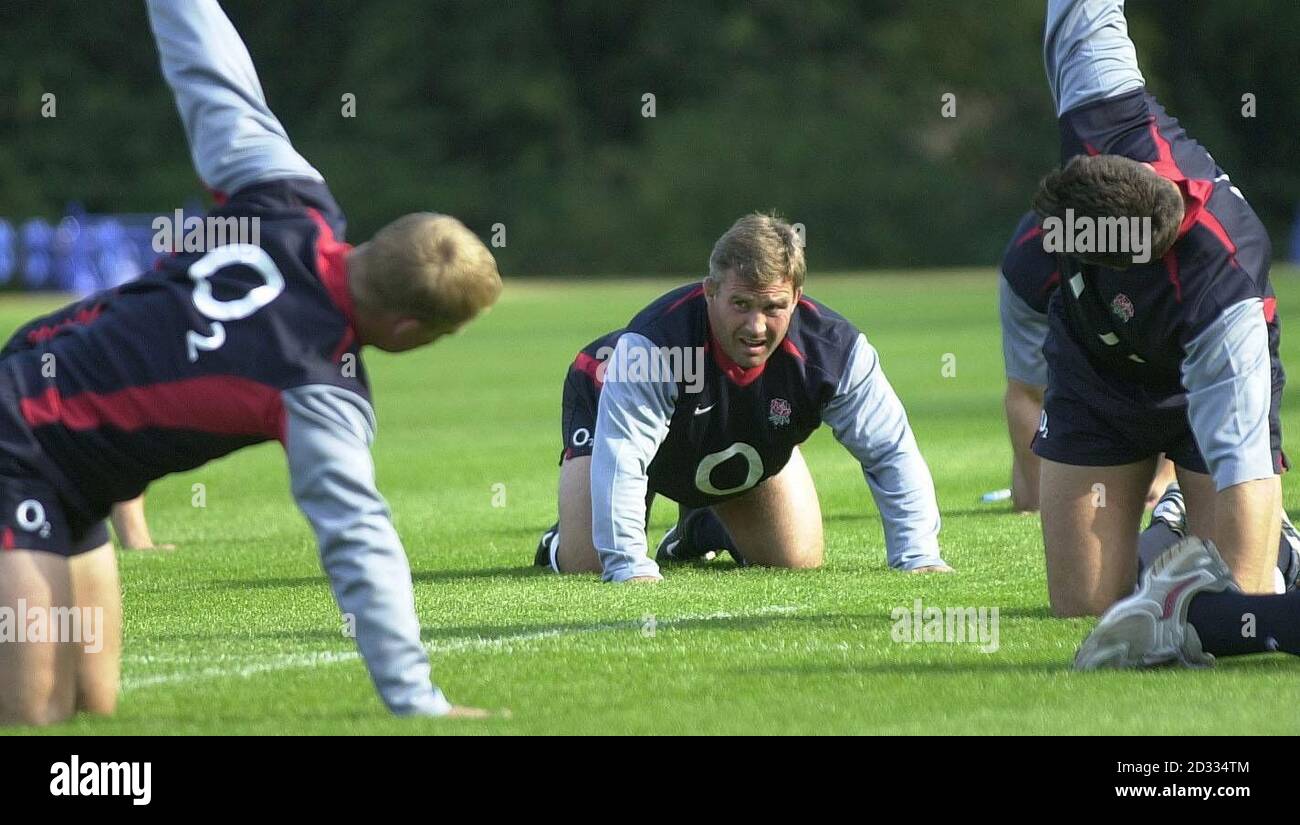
236	631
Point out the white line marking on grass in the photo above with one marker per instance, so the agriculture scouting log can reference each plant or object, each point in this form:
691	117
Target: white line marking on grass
246	666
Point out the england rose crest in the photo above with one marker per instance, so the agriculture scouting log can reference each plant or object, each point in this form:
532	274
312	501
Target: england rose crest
1122	307
779	412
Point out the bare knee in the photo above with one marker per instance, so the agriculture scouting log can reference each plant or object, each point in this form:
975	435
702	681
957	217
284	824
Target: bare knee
36	711
808	562
1078	605
102	702
811	557
806	556
577	557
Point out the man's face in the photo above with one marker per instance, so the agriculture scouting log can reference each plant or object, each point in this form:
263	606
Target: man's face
750	321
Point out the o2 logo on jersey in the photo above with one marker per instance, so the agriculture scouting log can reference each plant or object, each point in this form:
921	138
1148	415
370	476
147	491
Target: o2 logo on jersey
30	516
753	469
581	437
1042	425
215	310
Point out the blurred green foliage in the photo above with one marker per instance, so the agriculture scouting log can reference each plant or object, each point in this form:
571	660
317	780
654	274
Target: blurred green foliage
529	113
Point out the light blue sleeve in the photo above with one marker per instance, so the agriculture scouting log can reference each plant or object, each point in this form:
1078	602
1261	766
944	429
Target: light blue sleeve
1023	332
1229	381
868	419
234	138
1088	53
631	422
328	432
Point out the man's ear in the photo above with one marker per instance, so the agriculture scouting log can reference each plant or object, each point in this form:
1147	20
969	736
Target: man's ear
406	326
710	288
798	294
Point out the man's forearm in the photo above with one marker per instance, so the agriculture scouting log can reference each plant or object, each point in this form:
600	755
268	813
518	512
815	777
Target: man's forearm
1246	527
618	514
631	423
130	525
327	437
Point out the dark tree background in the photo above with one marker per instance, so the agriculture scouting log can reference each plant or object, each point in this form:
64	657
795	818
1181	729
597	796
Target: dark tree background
529	113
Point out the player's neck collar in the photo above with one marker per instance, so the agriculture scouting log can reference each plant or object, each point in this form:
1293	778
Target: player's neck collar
741	376
332	264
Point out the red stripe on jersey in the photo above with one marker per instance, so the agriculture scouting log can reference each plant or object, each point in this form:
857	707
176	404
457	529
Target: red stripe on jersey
332	267
1171	266
1196	194
344	344
807	304
1196	191
215	404
1270	310
592	367
738	375
694	293
1090	149
788	346
1052	282
7	541
1030	235
82	318
1211	223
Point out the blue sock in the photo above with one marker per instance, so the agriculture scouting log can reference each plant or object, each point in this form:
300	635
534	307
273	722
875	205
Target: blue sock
1234	624
703	531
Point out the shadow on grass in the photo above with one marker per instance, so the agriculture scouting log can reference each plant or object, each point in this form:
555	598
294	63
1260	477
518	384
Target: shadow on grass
985	512
912	668
992	665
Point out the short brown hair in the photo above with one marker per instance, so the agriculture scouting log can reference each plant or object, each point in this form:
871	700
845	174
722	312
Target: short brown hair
1112	186
429	267
761	249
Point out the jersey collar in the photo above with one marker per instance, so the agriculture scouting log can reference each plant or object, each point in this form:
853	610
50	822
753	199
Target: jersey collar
332	265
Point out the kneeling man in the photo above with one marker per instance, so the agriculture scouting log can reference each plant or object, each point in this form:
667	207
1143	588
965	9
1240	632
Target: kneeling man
704	398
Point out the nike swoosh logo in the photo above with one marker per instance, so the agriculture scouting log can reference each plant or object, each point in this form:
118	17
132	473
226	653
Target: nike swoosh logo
703	410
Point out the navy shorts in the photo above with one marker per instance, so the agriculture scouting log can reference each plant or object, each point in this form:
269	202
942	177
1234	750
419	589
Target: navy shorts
32	517
581	398
1074	431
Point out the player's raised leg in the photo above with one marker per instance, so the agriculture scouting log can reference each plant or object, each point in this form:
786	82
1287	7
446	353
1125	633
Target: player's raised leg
1091	517
37	678
779	522
97	593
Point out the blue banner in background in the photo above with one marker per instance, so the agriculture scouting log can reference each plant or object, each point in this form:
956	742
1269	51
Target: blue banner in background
82	253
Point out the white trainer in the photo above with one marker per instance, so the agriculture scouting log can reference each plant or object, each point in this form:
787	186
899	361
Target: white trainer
1150	627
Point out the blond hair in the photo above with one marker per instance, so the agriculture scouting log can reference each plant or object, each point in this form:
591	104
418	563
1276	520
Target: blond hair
760	249
429	267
